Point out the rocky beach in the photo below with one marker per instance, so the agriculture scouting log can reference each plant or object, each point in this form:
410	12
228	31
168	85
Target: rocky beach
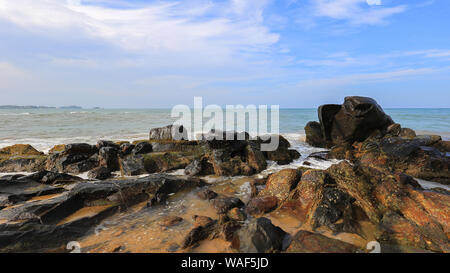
377	182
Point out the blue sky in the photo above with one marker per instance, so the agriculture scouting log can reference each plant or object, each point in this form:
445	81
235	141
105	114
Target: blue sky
294	53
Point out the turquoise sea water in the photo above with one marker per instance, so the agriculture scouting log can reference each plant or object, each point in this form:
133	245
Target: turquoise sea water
44	128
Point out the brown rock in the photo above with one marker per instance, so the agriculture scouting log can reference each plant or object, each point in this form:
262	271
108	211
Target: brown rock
281	183
308	242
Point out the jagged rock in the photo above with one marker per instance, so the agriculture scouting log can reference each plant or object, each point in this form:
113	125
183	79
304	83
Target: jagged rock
203	228
281	183
236	214
99	173
132	165
260	236
142	148
18	190
199	167
170	132
308	242
407	133
108	158
47	177
126	149
107	143
21	158
76	158
356	120
314	134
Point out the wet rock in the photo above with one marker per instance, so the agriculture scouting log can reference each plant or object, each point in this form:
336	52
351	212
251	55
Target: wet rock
394	129
126	149
314	134
47	177
99	173
335	205
107	143
19	150
255	158
356	120
207	194
162	162
22	190
261	205
170	221
199	167
22	163
108	158
308	242
236	214
154	187
281	183
76	158
226	165
223	204
260	236
319	156
407	133
203	228
142	148
170	132
132	165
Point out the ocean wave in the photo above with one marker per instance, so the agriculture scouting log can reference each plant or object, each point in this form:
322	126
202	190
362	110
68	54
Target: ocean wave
15	114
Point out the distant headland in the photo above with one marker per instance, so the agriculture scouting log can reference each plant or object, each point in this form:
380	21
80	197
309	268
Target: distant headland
38	107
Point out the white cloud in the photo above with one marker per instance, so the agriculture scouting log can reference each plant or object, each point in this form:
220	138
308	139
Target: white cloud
154	27
355	11
347	80
12	75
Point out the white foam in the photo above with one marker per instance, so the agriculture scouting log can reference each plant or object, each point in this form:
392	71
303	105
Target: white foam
431	185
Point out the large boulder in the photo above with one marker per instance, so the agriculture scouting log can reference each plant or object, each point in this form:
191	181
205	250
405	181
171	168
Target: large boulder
171	132
75	158
281	183
21	158
261	236
356	120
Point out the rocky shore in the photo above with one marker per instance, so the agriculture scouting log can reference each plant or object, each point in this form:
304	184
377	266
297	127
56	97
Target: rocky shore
135	198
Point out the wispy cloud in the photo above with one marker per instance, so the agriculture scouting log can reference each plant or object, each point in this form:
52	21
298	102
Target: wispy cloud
352	79
155	27
356	12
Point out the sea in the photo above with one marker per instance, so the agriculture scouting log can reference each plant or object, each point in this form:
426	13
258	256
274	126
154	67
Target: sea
44	128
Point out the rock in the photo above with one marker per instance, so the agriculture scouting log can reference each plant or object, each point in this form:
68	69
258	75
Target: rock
126	149
281	183
132	165
57	149
163	162
207	194
170	221
108	158
314	134
154	187
224	204
318	155
19	150
236	214
335	205
99	173
308	242
47	177
142	148
356	120
260	236
255	158
107	143
407	133
169	133
394	129
22	190
203	228
22	163
199	167
226	165
261	205
76	158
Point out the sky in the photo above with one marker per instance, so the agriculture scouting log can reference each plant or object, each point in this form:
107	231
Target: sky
157	54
